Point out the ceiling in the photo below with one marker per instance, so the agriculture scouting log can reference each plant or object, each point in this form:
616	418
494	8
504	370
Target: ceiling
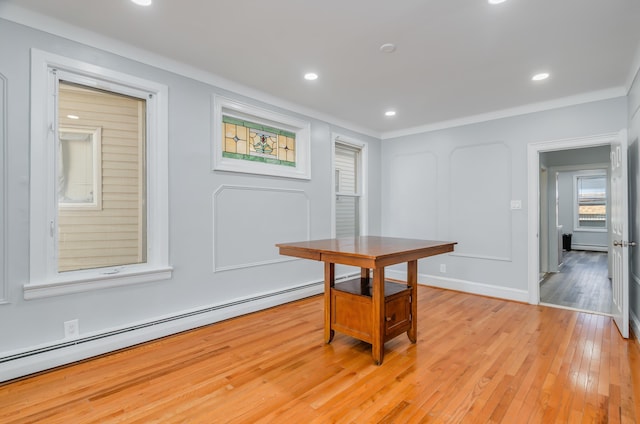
454	59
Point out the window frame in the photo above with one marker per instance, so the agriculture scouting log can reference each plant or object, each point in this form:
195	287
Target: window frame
361	186
576	206
96	150
44	279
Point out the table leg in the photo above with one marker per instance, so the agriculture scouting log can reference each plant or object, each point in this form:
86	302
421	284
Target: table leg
329	282
378	315
412	282
365	279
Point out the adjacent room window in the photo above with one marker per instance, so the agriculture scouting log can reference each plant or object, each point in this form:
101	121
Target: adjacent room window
591	201
98	178
348	189
79	167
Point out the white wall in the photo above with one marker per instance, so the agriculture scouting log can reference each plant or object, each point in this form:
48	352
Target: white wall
456	184
207	285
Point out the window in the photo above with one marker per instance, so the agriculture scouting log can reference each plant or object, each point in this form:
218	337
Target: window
99	227
79	167
348	188
591	201
98	178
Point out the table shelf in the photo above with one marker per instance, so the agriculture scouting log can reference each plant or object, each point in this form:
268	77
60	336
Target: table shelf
363	287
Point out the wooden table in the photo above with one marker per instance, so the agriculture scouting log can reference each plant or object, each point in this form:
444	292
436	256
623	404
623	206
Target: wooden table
370	309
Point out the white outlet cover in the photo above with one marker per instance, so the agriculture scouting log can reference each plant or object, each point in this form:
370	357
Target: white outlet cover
71	329
516	204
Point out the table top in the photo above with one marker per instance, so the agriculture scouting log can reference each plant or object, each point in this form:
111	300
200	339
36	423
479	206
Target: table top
366	251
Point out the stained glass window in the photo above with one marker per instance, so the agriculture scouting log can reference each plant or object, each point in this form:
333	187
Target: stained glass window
252	141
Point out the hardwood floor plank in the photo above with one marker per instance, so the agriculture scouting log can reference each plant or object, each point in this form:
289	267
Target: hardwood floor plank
477	360
582	282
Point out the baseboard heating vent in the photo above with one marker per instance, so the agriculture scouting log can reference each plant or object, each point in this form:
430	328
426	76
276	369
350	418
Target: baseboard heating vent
88	339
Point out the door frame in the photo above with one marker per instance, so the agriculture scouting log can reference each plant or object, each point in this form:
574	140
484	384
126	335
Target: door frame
543	226
533	170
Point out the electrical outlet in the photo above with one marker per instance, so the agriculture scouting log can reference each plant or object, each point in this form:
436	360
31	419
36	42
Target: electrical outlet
71	329
443	268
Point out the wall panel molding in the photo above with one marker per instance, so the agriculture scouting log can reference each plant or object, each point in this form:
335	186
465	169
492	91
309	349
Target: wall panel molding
480	194
264	215
412	207
3	189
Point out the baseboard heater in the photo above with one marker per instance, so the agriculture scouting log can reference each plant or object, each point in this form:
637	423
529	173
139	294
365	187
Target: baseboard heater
95	337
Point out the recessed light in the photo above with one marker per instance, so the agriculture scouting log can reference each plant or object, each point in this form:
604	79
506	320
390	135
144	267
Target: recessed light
388	48
496	1
311	76
390	113
142	2
73	117
541	76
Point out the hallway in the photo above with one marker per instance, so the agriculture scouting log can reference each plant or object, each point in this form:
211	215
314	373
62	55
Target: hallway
582	283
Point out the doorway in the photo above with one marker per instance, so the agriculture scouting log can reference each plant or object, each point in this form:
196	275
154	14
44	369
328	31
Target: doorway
574	202
535	151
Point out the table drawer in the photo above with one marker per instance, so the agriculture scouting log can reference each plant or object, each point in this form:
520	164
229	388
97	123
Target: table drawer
397	314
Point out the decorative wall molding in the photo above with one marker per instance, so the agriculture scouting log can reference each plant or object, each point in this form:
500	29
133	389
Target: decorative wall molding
482	257
276	214
3	189
593	96
469	199
59	28
412	205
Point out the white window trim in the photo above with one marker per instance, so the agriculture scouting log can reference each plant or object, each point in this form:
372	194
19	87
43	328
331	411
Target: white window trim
223	106
576	213
363	186
44	279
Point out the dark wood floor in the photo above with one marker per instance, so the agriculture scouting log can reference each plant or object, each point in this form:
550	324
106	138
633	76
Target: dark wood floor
477	360
582	283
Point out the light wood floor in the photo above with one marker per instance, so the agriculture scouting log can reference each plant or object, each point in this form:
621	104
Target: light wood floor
477	360
582	283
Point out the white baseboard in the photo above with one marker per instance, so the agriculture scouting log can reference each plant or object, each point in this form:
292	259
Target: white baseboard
465	286
21	363
589	247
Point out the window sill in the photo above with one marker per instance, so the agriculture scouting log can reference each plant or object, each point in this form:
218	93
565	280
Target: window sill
94	281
